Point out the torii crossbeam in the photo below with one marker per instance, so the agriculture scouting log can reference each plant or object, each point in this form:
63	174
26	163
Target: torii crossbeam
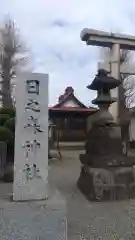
106	39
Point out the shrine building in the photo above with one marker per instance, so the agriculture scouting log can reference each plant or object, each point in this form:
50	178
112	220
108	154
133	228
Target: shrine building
69	117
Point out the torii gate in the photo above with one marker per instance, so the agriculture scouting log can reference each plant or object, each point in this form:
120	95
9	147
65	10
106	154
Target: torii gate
115	42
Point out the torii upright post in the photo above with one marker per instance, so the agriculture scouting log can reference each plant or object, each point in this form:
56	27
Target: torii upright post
115	42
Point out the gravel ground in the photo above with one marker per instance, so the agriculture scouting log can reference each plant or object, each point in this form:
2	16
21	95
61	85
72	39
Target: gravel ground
86	220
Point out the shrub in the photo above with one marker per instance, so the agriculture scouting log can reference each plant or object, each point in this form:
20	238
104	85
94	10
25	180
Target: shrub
10	124
9	111
6	135
9	173
3	118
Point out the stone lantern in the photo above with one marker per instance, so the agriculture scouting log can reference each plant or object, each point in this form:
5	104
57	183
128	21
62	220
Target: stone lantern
105	169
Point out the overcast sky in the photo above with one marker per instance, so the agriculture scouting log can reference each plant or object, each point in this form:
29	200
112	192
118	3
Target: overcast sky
51	29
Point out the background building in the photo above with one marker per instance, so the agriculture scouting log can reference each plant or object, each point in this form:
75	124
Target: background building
69	116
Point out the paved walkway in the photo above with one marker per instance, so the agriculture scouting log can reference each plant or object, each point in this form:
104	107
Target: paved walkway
106	221
32	220
86	220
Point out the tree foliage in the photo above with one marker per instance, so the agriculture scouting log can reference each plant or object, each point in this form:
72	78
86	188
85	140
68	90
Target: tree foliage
7	121
3	119
8	111
10	124
5	135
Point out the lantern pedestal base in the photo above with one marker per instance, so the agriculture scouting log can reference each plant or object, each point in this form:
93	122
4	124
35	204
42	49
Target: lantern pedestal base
106	184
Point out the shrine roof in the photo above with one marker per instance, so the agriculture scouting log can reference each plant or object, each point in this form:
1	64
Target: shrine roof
67	96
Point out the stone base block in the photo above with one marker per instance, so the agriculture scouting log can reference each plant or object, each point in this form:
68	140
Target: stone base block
116	183
34	220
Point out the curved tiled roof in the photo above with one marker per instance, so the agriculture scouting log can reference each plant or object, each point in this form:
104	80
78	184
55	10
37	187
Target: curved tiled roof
68	95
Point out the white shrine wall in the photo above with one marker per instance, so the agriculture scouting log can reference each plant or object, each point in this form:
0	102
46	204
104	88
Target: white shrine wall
70	103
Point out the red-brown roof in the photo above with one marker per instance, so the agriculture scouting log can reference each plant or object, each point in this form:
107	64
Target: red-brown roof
73	109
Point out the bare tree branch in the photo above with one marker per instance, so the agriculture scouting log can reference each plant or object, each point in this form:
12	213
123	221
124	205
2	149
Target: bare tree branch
12	55
127	87
128	82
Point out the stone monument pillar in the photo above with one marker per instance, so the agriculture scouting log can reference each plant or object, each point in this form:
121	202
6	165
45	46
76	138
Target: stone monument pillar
31	219
31	137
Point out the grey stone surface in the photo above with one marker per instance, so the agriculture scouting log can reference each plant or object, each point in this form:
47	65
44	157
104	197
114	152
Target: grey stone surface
40	220
31	138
